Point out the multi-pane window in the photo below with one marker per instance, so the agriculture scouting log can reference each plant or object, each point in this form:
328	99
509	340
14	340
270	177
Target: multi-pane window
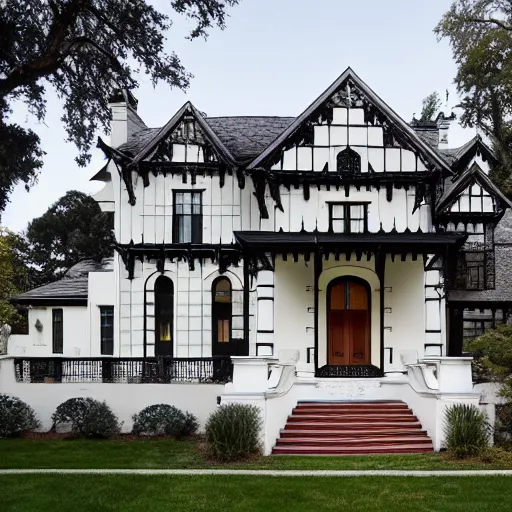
57	331
474	199
188	218
348	217
107	330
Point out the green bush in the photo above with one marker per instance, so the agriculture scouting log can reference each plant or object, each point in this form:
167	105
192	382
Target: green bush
87	417
164	419
467	431
232	432
16	416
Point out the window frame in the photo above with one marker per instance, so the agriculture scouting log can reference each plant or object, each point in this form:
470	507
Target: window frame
57	344
103	338
346	216
198	239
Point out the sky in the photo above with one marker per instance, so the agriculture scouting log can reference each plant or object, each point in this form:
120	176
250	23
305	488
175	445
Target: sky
274	58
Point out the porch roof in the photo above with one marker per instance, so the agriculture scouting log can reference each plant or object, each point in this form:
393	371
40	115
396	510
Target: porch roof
393	242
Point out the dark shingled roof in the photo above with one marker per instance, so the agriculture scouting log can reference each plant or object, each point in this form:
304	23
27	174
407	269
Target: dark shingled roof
72	287
245	137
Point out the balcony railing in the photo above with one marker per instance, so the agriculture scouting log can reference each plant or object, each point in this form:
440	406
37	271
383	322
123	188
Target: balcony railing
212	370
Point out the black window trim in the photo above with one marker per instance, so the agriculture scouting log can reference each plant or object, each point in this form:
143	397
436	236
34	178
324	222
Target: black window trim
105	352
57	344
346	210
175	234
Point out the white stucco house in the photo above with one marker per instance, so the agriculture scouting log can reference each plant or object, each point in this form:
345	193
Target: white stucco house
345	250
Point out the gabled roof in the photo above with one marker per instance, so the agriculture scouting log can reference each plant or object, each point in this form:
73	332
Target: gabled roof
460	157
393	117
463	181
166	130
72	289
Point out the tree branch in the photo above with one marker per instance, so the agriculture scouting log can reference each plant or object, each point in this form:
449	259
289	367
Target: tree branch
495	21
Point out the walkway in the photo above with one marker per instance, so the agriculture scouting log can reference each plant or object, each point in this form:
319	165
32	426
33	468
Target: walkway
257	472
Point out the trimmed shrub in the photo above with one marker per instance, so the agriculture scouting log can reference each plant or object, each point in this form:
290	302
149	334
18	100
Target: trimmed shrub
87	417
164	419
16	417
467	431
232	432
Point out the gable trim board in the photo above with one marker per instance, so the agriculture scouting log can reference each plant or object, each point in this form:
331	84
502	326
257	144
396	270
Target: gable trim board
168	128
411	136
474	173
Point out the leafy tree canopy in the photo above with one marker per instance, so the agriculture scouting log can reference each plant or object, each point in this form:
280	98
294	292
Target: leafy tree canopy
84	50
73	229
14	275
431	106
480	35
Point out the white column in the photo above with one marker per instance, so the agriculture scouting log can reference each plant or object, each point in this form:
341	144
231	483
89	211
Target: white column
265	313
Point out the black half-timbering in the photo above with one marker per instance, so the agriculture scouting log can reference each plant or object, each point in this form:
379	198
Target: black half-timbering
164	317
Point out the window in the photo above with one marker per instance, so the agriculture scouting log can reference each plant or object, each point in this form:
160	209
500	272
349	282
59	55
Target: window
164	315
107	330
57	331
348	217
348	161
221	316
20	324
187	218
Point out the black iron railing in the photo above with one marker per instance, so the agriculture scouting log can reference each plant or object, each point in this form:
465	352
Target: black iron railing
214	370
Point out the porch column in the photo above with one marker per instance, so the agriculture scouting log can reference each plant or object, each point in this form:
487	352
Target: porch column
246	300
380	270
265	314
317	270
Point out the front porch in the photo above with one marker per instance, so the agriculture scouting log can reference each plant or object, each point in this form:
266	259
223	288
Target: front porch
354	306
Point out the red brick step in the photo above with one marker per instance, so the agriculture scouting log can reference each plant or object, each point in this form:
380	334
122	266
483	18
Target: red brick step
360	427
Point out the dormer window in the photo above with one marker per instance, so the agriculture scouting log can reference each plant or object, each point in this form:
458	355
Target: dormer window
348	161
348	217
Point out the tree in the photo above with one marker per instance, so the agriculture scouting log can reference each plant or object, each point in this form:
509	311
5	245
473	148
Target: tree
73	229
84	50
13	275
480	35
431	106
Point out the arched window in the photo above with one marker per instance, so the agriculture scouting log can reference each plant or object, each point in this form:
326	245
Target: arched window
164	314
221	316
348	161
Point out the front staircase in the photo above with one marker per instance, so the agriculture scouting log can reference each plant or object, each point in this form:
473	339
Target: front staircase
352	428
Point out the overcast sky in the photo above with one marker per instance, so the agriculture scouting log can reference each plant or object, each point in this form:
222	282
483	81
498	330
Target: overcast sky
274	58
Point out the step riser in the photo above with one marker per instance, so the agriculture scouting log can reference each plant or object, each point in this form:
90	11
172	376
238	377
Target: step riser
333	453
348	428
359	444
350	419
343	412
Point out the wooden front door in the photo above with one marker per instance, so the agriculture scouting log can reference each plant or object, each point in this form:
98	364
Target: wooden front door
348	322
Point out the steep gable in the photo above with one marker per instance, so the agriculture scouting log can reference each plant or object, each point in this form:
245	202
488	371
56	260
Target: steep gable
349	118
186	138
472	193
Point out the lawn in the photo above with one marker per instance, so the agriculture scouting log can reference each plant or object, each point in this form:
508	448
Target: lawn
170	454
42	493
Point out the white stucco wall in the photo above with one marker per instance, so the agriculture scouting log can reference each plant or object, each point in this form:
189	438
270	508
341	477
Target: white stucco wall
124	399
40	344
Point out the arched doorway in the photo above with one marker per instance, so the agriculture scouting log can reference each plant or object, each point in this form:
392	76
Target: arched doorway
222	313
164	316
348	322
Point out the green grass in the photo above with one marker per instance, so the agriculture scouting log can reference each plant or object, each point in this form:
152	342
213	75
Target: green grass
101	493
170	454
